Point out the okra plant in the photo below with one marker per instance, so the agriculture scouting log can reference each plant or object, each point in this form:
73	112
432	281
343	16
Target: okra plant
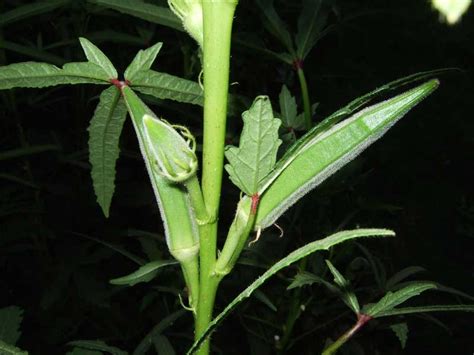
188	189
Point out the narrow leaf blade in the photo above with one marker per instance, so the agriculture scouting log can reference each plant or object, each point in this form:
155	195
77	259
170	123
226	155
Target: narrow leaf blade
323	244
39	75
145	273
310	24
142	61
104	134
29	10
346	294
427	309
393	299
255	157
166	86
274	23
96	56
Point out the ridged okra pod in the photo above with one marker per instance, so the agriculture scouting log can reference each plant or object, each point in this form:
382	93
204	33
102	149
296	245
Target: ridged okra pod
320	154
172	199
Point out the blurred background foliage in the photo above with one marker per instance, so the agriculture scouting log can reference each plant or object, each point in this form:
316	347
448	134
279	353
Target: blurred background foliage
58	252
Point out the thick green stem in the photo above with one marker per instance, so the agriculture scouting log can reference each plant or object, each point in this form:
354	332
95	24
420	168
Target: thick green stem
305	96
218	17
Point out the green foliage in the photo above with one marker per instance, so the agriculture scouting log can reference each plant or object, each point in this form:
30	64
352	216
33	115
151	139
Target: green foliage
190	220
40	75
347	295
6	349
311	23
323	244
10	321
145	273
401	331
104	133
255	157
29	10
288	109
163	345
156	332
96	56
142	61
393	299
319	154
166	86
146	11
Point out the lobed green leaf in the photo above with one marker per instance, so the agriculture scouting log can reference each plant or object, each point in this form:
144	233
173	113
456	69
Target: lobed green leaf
401	331
104	135
255	157
288	109
393	299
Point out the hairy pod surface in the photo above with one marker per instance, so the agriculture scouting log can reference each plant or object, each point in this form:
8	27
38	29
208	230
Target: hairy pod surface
175	208
320	156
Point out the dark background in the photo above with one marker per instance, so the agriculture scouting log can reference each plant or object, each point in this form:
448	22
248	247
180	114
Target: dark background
417	181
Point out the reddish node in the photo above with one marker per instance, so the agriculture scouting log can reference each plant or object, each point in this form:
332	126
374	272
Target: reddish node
255	201
363	318
119	84
298	64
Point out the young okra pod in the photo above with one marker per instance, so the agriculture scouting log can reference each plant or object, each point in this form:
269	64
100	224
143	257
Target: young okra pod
173	201
317	156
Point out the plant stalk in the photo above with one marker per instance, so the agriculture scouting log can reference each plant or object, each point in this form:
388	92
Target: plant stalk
305	96
218	16
362	319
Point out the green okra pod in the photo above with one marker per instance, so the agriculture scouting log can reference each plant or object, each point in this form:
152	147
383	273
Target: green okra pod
316	157
173	201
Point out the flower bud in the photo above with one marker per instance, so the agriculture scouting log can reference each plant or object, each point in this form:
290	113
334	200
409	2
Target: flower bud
173	154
